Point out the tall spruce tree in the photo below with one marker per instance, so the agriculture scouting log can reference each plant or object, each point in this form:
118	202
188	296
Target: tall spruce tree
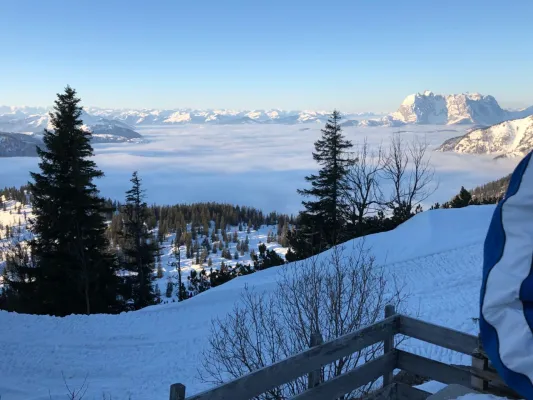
140	247
74	269
320	225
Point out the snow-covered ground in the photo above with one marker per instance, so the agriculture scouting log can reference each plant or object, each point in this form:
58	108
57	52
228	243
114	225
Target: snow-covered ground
14	220
138	355
168	258
254	165
14	225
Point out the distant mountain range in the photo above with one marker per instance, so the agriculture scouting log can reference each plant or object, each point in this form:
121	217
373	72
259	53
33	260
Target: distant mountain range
118	125
419	108
34	119
507	139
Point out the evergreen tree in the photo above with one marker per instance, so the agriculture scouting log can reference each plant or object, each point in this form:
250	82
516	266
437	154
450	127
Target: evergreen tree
266	258
204	255
182	294
74	270
159	270
157	294
321	223
463	199
140	247
284	237
170	288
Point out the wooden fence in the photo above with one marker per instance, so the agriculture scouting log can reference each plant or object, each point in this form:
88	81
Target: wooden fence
479	376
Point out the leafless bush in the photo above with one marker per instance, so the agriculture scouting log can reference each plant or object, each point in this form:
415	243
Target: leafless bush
408	169
333	296
362	192
74	394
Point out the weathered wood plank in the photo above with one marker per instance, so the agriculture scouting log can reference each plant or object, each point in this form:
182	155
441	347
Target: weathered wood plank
283	371
479	362
314	376
388	344
385	393
439	335
486	375
406	392
357	377
177	391
432	369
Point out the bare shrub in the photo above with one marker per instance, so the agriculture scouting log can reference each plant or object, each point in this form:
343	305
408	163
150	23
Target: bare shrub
408	169
361	187
331	296
75	394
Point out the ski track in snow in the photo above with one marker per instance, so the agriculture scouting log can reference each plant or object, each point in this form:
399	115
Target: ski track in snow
140	354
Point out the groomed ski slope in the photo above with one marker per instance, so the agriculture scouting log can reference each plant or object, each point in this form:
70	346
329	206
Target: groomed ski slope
138	355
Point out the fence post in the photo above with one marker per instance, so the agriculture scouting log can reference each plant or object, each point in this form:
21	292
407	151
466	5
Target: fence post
481	362
177	391
314	377
388	345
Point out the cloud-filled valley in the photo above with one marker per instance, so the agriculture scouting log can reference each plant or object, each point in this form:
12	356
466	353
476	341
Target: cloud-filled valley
255	165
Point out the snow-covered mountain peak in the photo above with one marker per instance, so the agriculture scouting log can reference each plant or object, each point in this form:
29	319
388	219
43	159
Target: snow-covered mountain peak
506	139
463	108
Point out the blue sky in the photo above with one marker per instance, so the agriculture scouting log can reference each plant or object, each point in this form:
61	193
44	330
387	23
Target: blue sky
353	55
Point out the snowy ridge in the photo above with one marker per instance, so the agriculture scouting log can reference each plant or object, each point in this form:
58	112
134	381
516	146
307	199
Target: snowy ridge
18	144
33	121
418	108
437	253
507	139
35	118
465	108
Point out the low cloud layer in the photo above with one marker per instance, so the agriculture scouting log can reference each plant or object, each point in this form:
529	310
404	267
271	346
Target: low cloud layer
259	166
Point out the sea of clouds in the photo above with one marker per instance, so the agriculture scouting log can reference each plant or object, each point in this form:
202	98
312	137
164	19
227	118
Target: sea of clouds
253	165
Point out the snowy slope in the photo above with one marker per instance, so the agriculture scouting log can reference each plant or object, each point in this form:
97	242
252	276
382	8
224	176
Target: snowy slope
437	253
15	217
509	138
469	108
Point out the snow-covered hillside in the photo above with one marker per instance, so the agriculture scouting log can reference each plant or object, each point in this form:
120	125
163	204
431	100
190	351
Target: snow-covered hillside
137	355
18	144
255	238
469	108
33	120
509	138
14	228
14	220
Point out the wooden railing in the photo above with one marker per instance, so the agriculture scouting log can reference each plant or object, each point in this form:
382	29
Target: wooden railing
478	376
